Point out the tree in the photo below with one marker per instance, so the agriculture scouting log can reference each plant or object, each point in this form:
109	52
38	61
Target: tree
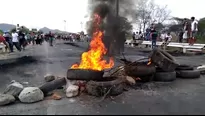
1	32
22	28
201	26
25	29
149	12
177	24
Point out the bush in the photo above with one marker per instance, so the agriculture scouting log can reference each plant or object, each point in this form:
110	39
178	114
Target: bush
200	39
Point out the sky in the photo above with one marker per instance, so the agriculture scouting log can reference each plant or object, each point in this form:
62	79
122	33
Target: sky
52	13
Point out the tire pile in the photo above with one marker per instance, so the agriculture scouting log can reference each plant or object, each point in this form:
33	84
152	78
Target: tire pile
163	68
168	69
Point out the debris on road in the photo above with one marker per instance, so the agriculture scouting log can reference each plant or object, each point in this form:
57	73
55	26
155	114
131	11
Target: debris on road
49	77
6	99
130	80
72	91
201	69
14	89
31	95
56	96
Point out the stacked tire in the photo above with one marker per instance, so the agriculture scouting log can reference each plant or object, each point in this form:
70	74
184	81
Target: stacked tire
187	72
166	65
141	70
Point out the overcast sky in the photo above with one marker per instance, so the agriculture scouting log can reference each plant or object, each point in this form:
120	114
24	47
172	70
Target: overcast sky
51	13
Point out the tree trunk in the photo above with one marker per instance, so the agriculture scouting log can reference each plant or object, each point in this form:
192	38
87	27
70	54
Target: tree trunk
50	86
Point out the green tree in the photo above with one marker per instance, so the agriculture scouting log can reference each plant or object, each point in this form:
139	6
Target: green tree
201	26
1	32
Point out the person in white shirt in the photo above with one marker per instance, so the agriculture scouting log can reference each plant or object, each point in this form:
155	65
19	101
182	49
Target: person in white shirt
163	36
194	30
168	37
15	41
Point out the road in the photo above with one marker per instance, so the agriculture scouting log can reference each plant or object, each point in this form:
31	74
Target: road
179	97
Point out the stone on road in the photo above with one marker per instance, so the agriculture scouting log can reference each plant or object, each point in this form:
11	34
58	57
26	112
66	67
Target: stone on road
6	99
49	77
31	95
14	89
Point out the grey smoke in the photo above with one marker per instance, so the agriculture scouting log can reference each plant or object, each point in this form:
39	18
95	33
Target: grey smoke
115	27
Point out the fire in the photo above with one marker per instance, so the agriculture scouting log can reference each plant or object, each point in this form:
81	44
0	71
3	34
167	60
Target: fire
150	62
93	59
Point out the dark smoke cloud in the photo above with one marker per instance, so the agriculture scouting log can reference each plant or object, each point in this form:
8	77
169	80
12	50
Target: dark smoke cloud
115	27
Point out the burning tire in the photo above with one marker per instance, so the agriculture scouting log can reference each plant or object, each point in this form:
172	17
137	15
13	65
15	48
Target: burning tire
188	74
162	76
82	74
108	85
184	67
163	60
140	70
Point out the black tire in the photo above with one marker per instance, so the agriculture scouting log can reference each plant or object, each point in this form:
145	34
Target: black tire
140	70
188	74
184	67
83	74
146	79
109	85
165	76
163	60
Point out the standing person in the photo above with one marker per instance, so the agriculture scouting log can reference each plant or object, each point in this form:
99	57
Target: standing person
194	30
185	30
154	36
32	36
8	39
168	37
22	39
163	36
51	38
133	36
15	41
3	40
181	34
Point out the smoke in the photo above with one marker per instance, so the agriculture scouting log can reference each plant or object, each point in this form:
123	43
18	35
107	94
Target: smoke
115	27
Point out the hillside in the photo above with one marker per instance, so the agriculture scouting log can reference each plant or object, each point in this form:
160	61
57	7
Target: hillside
6	27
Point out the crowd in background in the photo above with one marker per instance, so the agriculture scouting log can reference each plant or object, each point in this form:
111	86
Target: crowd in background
19	39
187	35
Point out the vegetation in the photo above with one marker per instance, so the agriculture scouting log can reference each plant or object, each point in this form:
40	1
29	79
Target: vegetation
1	32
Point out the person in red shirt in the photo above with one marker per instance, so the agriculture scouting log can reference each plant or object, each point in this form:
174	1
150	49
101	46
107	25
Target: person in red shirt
3	40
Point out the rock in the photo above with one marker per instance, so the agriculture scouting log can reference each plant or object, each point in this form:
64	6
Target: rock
14	89
6	99
130	80
49	77
72	91
31	95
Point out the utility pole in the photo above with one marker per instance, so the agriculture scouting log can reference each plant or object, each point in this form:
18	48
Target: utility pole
64	21
117	8
81	23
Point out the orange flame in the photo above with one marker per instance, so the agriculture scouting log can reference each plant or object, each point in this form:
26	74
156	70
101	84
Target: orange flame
150	62
93	59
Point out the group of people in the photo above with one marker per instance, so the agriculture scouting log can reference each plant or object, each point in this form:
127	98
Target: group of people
152	34
189	31
20	40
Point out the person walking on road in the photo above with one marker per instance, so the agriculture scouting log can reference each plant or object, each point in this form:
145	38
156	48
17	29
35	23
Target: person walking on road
51	38
22	40
3	40
8	38
15	41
